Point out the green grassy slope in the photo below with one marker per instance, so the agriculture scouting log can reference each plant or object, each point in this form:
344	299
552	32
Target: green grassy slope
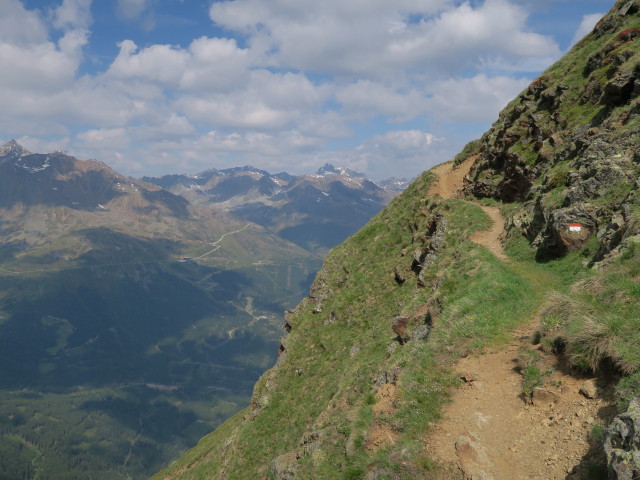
316	414
336	359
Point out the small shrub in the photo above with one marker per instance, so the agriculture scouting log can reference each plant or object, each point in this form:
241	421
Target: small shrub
426	463
532	378
629	252
591	341
559	178
628	389
471	148
559	345
597	433
536	338
527	358
628	34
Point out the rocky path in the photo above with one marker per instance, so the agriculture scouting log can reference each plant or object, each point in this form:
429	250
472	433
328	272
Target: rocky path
449	184
487	431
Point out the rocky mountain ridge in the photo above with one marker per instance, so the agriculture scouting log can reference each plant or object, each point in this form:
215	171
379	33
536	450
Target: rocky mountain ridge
568	145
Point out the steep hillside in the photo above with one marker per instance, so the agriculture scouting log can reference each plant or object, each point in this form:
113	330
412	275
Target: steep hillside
367	362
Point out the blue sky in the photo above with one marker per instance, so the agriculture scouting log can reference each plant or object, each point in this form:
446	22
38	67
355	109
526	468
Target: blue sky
389	88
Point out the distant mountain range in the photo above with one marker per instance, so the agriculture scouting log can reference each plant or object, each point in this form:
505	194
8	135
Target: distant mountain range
135	315
315	211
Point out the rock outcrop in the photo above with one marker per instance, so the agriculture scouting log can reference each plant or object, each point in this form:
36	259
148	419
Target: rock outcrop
622	444
567	147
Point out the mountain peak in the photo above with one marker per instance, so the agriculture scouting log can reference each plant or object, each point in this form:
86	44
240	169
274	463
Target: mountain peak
329	169
13	148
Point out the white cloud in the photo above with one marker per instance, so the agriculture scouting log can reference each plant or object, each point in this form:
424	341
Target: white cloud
157	63
29	61
215	64
587	24
406	141
286	150
329	125
174	127
385	38
270	101
73	14
408	150
19	26
40	67
287	94
104	139
367	98
477	99
208	64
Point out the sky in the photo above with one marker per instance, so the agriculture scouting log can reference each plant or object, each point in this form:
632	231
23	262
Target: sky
385	87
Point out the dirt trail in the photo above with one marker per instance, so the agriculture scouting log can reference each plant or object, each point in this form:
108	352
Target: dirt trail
449	184
487	431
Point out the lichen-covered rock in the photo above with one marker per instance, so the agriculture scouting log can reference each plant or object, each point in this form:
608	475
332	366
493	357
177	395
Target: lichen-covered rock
622	444
559	238
285	466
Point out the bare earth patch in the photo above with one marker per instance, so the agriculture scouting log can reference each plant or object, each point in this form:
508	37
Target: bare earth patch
511	439
381	434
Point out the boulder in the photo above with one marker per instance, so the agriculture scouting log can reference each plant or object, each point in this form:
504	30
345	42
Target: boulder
589	389
559	238
420	333
620	90
473	457
622	444
544	396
